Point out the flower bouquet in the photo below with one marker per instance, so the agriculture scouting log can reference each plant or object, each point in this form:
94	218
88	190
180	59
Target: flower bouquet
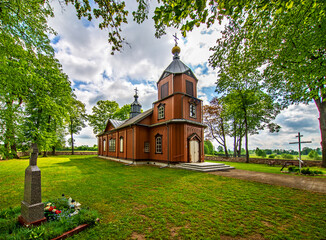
64	207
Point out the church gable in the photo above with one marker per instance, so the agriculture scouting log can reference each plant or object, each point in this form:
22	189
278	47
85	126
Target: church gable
112	124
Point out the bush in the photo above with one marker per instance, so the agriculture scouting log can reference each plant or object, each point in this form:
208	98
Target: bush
293	169
206	149
271	156
304	171
287	156
313	155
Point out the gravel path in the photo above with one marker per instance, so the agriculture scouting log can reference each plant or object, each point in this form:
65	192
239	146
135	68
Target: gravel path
299	182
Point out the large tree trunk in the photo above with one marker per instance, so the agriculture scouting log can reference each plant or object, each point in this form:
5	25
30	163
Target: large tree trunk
239	146
246	136
224	140
322	125
234	139
14	150
53	150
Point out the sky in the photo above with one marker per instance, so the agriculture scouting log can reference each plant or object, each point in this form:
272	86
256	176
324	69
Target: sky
84	52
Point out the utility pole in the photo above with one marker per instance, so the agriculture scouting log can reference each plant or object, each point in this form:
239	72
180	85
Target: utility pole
299	143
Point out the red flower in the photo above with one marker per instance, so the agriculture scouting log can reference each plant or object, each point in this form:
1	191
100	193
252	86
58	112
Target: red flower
50	209
57	211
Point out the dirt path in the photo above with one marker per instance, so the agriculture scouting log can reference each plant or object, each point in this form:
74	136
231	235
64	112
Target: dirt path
305	183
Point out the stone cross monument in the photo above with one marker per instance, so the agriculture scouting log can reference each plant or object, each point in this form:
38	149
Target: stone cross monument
32	208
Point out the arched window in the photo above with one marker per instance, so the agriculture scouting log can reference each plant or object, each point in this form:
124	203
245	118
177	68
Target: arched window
158	143
112	145
121	144
104	145
161	111
192	110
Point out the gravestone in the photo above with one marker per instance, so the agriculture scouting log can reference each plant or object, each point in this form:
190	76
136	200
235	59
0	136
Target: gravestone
32	208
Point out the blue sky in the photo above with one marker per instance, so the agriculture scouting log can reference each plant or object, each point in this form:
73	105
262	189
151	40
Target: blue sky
84	53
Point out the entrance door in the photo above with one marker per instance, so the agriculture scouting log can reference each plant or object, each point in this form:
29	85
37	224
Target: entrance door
194	151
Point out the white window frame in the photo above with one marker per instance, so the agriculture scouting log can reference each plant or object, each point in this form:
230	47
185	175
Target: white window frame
193	110
158	144
121	144
104	145
161	112
112	145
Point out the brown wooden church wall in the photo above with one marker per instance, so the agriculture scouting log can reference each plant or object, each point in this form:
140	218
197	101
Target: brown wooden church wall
162	82
123	134
162	130
177	142
179	85
186	110
129	143
141	136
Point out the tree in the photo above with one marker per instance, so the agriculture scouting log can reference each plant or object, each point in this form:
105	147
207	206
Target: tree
219	149
122	113
260	152
217	127
255	109
210	147
313	155
103	111
77	117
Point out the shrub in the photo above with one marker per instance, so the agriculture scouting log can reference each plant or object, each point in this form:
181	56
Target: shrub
271	156
287	156
313	155
293	169
206	149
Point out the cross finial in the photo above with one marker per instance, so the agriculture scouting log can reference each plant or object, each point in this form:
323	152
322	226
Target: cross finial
175	39
136	90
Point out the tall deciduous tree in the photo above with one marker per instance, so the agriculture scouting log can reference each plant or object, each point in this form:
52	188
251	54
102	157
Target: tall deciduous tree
217	127
255	109
77	118
101	113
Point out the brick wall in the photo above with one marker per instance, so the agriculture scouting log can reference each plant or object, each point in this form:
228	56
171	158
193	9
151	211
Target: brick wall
275	161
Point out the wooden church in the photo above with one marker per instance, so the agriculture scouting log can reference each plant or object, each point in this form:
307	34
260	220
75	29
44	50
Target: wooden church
171	132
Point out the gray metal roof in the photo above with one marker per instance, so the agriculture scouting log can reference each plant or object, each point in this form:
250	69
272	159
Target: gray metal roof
177	67
116	123
136	119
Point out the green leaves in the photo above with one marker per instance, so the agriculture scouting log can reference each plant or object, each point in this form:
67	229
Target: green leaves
105	110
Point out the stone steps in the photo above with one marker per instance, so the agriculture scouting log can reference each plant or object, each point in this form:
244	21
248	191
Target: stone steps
205	166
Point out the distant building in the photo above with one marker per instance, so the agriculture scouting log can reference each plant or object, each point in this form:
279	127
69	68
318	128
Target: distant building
171	132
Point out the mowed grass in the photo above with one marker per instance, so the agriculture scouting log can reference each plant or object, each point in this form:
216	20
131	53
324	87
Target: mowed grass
148	202
268	169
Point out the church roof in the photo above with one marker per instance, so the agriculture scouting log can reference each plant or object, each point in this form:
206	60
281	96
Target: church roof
136	119
177	67
116	123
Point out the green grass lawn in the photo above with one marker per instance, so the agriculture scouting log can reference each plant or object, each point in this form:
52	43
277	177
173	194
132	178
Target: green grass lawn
266	168
149	202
